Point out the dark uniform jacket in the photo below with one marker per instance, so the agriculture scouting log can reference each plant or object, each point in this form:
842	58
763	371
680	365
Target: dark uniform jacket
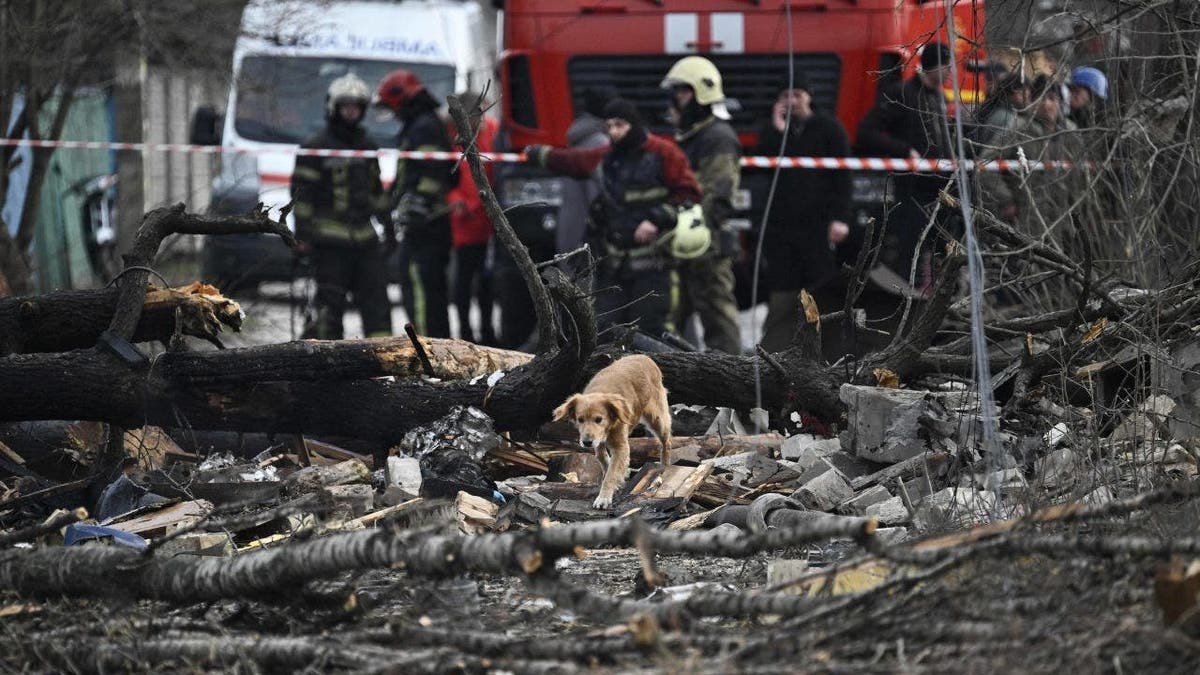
796	241
647	182
713	148
421	186
335	197
907	117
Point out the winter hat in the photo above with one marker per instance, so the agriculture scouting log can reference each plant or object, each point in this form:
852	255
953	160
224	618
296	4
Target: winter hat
798	81
935	55
595	98
1044	86
623	109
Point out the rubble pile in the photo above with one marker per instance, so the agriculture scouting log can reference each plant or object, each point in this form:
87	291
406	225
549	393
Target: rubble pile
791	530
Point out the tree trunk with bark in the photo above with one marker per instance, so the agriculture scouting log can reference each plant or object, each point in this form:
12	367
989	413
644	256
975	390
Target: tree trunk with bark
57	322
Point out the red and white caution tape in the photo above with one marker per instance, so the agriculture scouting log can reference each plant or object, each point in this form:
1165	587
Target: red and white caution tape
853	163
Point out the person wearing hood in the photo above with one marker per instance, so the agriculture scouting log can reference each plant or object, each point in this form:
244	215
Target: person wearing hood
713	150
334	199
645	181
419	195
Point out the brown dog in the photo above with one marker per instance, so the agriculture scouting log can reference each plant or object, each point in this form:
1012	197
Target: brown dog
625	393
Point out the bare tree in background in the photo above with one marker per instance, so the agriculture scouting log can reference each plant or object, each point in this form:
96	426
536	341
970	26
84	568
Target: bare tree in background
52	49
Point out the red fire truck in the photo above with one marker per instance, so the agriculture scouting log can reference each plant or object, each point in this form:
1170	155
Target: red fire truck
554	49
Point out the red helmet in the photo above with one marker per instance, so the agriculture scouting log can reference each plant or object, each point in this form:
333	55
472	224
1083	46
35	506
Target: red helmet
397	87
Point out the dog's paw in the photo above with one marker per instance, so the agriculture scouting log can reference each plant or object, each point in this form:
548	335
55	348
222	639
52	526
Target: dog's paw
602	502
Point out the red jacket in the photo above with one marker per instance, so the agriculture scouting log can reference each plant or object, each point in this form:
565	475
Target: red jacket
469	223
644	183
678	176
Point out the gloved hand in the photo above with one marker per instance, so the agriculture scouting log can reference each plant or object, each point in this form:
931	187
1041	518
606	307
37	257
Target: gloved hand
536	154
413	211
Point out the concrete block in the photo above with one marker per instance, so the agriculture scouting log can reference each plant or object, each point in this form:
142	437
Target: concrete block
825	492
883	423
857	505
404	473
358	498
889	513
801	445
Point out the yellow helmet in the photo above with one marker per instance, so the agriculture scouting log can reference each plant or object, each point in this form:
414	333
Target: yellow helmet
691	237
701	75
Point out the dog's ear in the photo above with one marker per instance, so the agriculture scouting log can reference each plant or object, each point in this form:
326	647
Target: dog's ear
567	409
620	409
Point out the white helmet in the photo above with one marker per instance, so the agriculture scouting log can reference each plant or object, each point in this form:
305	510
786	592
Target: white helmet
348	88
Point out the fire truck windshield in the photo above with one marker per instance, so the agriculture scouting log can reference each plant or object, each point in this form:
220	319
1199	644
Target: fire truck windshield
281	99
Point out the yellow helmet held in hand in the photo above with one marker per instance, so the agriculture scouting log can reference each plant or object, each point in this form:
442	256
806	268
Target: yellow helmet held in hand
701	75
691	237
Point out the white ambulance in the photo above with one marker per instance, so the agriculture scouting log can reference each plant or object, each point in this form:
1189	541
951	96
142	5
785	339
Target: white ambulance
286	56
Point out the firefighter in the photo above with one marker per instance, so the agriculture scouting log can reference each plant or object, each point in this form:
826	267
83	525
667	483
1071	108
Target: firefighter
713	150
645	181
334	200
420	199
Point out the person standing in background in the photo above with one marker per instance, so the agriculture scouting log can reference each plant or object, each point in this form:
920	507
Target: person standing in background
713	151
419	194
334	199
811	213
470	232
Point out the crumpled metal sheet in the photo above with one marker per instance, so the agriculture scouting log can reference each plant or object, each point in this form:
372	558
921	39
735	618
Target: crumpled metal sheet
469	430
450	449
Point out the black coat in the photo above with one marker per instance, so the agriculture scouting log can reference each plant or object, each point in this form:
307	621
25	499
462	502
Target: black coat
796	240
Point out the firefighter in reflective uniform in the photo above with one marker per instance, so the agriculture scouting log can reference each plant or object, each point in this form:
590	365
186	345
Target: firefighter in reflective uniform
420	194
334	201
713	149
645	181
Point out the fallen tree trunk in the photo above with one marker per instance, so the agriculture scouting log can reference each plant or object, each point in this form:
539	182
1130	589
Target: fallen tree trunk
716	379
120	572
57	322
94	385
187	652
338	360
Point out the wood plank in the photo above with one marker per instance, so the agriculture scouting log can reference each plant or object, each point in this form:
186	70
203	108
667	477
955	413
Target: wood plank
155	524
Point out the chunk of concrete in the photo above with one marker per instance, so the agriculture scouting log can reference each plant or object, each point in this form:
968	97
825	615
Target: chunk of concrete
1098	497
889	513
808	445
883	423
954	507
825	492
358	498
1149	422
891	536
851	465
785	570
754	468
404	473
857	505
1057	470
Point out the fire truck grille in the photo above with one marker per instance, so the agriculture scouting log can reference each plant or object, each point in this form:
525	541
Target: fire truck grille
752	82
